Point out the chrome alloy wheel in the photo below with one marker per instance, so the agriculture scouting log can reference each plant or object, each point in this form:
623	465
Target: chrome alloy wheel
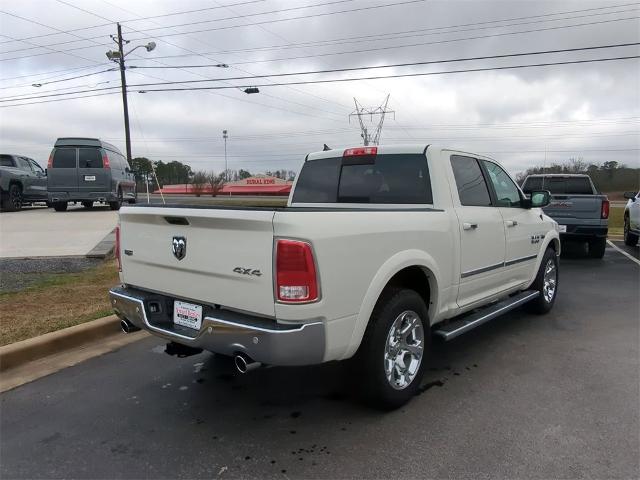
404	350
549	281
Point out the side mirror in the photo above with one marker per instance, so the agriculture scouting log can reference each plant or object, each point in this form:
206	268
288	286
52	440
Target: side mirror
540	198
630	195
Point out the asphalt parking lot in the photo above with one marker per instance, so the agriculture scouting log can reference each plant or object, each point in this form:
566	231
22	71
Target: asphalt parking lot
556	396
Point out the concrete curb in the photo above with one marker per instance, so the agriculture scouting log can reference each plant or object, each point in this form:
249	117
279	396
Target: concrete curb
19	353
105	247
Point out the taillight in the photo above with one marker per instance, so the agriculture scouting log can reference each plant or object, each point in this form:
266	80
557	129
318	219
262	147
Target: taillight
296	279
105	160
604	210
50	162
117	248
360	151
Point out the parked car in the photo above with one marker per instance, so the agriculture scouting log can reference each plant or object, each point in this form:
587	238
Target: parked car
22	181
580	210
88	170
632	218
378	248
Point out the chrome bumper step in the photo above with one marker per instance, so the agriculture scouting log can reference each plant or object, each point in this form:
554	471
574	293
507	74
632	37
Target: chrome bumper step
470	321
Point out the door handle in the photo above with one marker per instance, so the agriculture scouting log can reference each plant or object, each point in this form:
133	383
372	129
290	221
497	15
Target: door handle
469	226
511	223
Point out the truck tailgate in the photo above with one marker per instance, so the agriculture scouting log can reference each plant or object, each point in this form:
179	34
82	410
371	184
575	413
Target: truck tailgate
567	208
227	261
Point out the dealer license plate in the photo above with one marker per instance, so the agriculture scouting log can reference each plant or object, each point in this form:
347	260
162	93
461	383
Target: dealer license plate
187	314
89	178
562	228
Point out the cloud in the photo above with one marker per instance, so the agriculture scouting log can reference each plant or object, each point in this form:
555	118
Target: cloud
589	110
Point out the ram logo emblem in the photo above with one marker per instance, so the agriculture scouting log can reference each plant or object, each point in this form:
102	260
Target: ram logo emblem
179	247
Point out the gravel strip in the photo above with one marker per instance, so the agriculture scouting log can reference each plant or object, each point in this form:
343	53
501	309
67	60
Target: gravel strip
18	274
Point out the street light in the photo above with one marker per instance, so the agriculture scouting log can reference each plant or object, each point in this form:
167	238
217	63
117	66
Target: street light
118	56
226	171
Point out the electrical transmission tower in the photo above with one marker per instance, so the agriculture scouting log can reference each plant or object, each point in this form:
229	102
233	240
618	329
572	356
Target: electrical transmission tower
361	112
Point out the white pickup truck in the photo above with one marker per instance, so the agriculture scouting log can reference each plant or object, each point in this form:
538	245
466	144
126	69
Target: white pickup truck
378	249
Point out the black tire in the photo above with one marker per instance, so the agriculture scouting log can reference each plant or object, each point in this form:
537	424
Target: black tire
60	206
630	239
118	203
597	246
12	199
87	204
544	302
371	357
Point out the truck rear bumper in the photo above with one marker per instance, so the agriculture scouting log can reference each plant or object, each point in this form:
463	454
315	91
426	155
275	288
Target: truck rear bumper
224	331
82	196
583	232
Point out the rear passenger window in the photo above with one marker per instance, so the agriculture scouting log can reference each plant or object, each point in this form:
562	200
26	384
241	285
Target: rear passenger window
64	158
472	187
89	158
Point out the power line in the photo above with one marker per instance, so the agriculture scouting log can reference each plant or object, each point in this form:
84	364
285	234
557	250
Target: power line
406	33
406	64
315	72
110	24
58	99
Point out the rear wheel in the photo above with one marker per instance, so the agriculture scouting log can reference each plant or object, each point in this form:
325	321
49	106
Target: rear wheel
597	247
546	283
12	200
118	203
60	206
87	204
630	239
392	357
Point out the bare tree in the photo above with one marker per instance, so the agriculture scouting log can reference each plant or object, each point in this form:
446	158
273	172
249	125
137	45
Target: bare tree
215	181
200	180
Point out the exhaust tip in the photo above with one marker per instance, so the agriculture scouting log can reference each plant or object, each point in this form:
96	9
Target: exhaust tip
244	364
128	327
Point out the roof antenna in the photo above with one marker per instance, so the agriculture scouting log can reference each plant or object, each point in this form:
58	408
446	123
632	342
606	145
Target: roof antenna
326	148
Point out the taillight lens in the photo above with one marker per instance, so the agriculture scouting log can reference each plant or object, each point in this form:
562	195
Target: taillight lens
105	160
50	162
117	248
604	211
296	279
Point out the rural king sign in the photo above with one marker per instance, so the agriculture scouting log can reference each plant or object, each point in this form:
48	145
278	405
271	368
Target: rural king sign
260	181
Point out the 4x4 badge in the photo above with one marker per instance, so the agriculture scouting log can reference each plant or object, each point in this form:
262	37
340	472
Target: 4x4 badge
179	247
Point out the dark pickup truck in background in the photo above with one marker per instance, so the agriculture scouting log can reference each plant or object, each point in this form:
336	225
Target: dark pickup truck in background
580	210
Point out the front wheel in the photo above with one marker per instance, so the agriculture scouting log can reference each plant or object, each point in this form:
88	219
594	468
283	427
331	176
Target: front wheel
60	206
392	357
546	283
630	239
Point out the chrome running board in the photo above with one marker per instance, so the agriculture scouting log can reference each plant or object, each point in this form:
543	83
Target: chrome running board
470	321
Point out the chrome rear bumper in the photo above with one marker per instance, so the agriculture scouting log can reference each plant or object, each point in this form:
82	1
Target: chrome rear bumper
224	331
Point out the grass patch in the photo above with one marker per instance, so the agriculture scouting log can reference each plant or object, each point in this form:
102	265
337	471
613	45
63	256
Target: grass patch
57	301
616	220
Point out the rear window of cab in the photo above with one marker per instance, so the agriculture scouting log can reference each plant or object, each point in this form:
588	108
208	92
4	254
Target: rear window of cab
387	179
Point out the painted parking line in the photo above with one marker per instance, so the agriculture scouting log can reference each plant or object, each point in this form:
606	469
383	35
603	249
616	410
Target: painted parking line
630	257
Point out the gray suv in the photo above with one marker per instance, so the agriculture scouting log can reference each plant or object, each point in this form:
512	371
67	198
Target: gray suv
88	170
22	181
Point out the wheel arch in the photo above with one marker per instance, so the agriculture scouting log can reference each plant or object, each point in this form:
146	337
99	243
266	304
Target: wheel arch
411	269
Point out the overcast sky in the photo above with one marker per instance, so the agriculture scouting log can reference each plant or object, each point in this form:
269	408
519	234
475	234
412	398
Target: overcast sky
589	110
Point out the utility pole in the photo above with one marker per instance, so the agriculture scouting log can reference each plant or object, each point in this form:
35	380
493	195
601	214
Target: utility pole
361	112
125	104
119	57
